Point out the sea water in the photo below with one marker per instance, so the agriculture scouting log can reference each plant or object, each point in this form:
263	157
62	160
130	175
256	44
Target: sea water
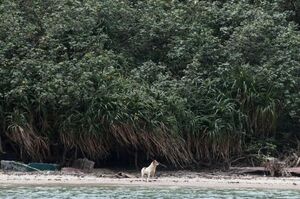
130	192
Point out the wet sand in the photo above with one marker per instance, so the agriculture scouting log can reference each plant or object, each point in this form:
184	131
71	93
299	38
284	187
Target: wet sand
103	177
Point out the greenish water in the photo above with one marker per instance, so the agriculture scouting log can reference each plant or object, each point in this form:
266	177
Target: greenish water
139	192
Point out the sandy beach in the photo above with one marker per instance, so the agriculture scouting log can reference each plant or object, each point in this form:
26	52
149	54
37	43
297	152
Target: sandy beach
101	177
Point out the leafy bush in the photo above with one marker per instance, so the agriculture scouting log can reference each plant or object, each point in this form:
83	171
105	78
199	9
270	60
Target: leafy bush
182	81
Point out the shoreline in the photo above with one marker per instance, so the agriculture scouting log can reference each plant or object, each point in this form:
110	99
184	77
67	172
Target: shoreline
186	179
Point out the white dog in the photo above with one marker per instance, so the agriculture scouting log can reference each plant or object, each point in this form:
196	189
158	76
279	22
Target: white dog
150	171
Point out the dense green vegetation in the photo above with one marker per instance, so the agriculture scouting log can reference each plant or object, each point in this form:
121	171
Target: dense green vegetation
186	82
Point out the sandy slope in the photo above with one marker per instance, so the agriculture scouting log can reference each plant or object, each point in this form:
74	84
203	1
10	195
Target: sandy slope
179	178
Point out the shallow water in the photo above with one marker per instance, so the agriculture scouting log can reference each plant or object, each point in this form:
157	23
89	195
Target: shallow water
139	192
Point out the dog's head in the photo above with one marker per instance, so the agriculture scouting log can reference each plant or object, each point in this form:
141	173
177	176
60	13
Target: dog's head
154	162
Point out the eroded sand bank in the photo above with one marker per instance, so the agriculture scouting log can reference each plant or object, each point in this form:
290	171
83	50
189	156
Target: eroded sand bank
101	177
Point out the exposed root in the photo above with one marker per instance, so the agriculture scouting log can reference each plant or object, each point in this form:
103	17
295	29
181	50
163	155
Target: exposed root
30	143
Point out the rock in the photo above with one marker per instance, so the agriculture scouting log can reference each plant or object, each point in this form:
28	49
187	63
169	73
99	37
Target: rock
84	164
70	170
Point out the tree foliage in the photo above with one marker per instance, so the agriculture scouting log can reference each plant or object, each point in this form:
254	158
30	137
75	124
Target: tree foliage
184	81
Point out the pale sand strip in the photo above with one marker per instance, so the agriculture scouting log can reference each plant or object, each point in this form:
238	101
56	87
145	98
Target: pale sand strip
200	182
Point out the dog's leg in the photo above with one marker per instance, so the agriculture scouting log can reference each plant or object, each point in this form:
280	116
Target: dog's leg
142	174
148	176
154	171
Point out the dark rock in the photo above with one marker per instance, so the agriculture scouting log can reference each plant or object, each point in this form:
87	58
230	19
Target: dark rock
84	164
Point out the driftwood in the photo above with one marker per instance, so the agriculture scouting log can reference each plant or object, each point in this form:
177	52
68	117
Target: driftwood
244	170
261	170
16	166
124	175
276	167
293	160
